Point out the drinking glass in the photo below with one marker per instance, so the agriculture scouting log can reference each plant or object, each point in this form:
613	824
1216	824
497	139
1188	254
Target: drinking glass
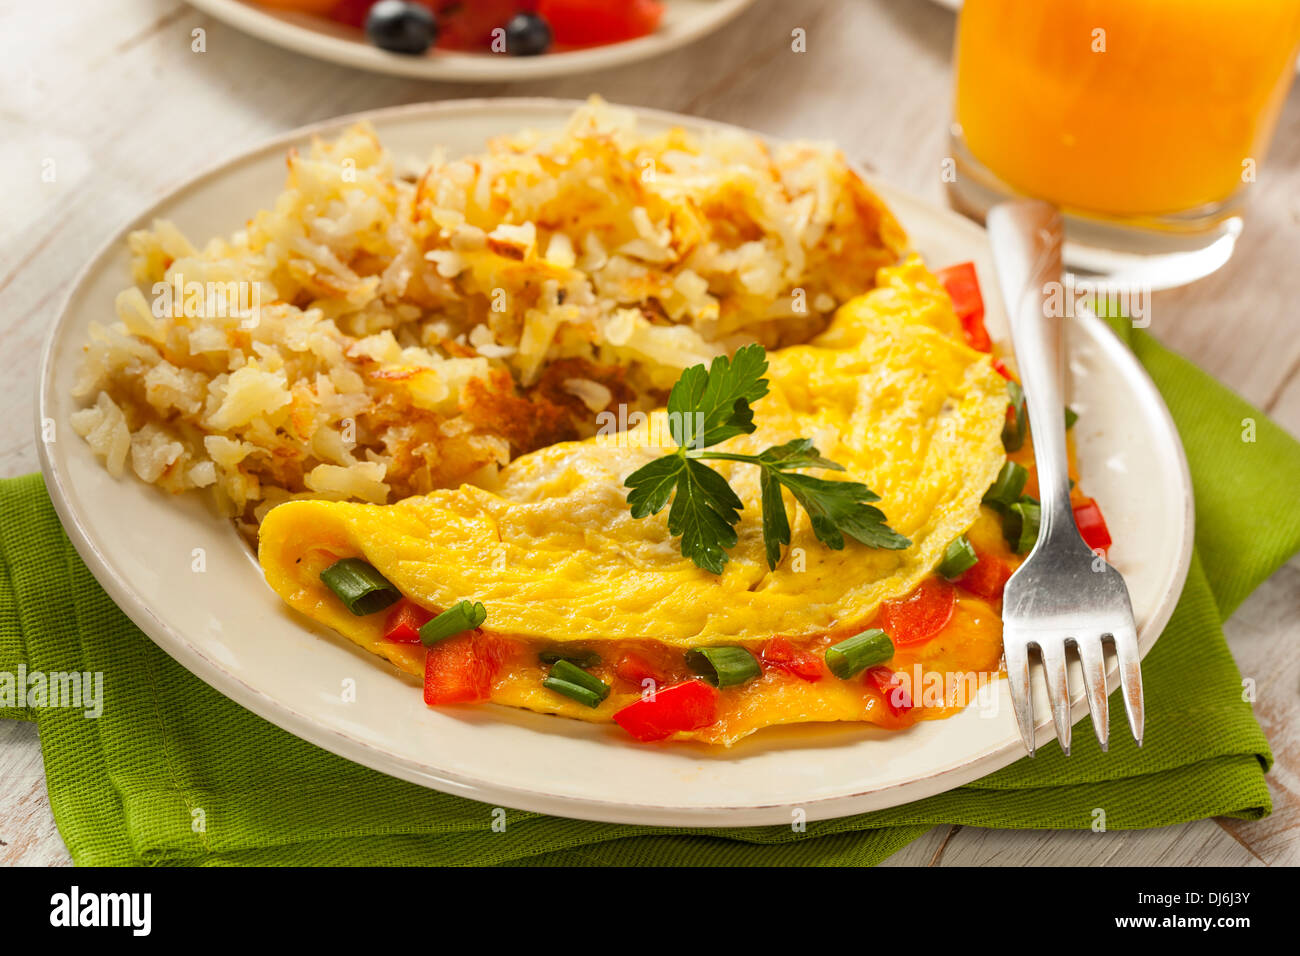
1146	121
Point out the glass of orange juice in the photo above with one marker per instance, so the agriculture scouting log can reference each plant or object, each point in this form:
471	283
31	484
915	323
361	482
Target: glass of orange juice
1144	120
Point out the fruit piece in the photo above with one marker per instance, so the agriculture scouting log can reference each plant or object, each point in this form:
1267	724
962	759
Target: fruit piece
468	24
317	7
527	34
351	13
400	27
593	22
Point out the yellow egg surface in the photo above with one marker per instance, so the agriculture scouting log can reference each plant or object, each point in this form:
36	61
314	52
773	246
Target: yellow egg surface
889	390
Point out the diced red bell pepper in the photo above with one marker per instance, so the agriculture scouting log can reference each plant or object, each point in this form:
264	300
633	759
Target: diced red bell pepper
689	705
592	22
1000	367
461	669
781	654
920	615
987	577
963	287
1092	525
404	622
637	669
891	689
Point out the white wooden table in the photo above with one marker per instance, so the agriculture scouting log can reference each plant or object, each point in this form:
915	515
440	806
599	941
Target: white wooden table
111	94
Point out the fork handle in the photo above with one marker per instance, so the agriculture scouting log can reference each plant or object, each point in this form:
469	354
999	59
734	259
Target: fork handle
1027	235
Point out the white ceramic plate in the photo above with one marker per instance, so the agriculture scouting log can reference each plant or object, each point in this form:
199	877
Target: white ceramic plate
227	627
684	21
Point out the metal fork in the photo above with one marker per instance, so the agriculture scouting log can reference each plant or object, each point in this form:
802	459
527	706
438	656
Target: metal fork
1063	594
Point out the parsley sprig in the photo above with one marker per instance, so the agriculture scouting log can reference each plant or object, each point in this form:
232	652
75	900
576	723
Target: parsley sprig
705	408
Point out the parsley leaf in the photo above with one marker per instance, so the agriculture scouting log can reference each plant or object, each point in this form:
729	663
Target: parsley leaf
800	453
653	484
708	406
776	526
838	508
704	513
705	510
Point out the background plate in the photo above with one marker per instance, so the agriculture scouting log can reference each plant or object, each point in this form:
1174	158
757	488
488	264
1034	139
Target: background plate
227	627
684	21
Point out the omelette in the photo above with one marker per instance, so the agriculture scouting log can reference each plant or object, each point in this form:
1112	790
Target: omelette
573	591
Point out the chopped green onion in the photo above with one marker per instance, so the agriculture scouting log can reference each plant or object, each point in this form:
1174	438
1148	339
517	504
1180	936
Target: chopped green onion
1013	432
1071	416
573	691
359	586
1020	524
571	674
958	558
1007	487
723	666
855	654
582	658
461	616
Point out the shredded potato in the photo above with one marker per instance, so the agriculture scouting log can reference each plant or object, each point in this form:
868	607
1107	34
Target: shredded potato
377	334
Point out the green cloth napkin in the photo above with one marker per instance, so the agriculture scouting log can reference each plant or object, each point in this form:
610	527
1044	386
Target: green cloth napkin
173	773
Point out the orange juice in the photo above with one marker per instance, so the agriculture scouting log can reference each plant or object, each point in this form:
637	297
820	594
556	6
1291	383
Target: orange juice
1124	108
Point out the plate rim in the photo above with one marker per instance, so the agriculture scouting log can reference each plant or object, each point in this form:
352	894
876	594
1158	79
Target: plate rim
968	767
453	66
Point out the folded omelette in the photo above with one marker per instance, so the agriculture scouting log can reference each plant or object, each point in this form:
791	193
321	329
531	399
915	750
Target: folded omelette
890	391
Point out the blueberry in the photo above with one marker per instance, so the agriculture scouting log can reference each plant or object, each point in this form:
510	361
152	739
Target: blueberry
527	34
401	27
